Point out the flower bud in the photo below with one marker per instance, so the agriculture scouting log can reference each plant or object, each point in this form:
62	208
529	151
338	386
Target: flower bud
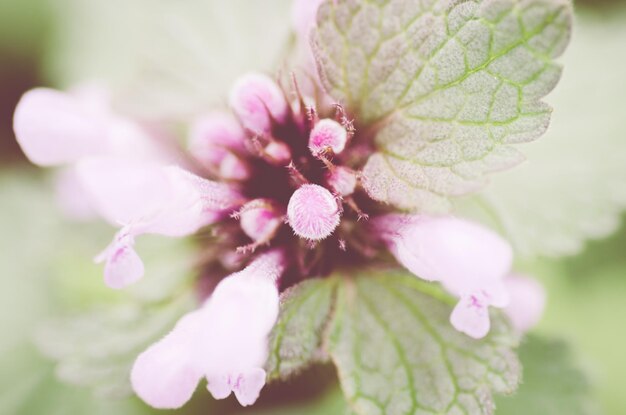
342	180
258	101
313	212
327	135
278	153
260	219
232	167
215	130
216	141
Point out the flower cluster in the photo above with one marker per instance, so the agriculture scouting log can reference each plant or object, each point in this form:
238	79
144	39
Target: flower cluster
278	183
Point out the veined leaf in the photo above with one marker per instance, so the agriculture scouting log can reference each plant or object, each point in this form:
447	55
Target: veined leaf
297	337
397	353
573	186
449	85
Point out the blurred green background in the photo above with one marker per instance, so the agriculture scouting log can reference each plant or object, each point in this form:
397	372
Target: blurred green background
165	54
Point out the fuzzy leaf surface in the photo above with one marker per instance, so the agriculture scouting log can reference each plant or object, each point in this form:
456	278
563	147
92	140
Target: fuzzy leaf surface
397	353
297	337
450	86
573	187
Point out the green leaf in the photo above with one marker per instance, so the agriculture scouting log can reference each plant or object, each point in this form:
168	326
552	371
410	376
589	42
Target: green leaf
552	384
296	340
450	86
397	353
573	187
98	348
28	386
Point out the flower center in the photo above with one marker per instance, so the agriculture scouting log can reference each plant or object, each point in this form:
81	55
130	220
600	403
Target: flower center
301	177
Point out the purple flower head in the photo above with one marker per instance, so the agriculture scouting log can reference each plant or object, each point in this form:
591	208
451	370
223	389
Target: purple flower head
277	184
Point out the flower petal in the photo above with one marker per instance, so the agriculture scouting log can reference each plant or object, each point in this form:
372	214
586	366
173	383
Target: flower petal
154	198
248	386
166	374
219	386
258	100
463	255
55	128
528	299
471	316
71	197
123	267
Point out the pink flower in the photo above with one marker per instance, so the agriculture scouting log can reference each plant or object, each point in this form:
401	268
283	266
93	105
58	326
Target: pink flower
258	102
278	180
218	142
149	198
469	260
57	128
327	136
528	299
303	13
260	219
225	341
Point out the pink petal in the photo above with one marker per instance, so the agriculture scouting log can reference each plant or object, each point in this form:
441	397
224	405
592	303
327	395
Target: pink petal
303	14
55	128
247	303
154	198
213	131
342	180
244	308
125	191
231	167
167	373
278	153
471	316
313	212
528	299
260	219
248	386
257	100
225	341
71	196
463	255
327	135
123	267
219	386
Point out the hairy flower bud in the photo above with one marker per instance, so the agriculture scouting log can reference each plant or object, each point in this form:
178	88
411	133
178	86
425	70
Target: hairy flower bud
342	180
313	212
260	219
327	135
